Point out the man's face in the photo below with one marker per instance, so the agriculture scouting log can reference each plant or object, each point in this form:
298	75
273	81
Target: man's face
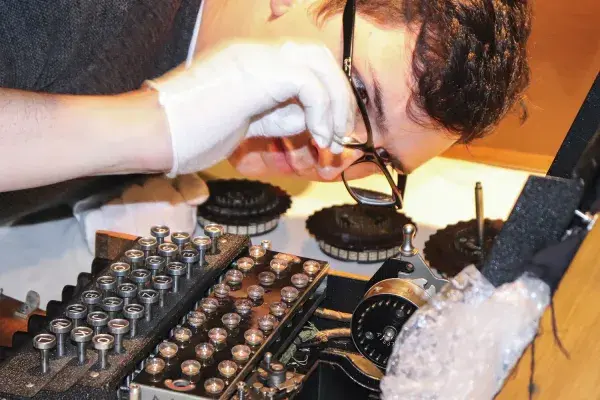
382	58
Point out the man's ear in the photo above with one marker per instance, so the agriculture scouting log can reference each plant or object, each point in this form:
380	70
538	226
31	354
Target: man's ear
280	7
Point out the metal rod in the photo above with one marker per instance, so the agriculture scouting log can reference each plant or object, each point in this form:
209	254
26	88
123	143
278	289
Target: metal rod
334	315
479	216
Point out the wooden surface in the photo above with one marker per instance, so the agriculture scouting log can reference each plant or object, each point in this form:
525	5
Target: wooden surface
9	324
535	163
577	305
564	52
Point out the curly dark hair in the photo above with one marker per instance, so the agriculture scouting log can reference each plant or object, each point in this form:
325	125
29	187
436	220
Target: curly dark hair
469	62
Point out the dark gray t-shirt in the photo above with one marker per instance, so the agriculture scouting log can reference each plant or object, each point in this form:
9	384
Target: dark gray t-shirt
86	47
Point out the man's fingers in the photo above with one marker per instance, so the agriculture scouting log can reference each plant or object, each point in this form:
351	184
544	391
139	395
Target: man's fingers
193	189
282	121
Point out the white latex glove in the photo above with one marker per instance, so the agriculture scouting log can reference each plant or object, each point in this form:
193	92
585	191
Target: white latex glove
248	90
160	201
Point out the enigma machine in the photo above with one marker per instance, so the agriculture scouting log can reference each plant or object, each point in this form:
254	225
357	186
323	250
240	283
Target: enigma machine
170	316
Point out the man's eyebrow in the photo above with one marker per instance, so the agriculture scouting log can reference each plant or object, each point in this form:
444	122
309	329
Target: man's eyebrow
380	117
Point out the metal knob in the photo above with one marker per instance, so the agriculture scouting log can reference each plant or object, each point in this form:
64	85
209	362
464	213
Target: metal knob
76	312
120	270
61	328
81	336
196	319
167	350
127	291
97	320
106	284
148	245
407	248
311	268
202	244
255	293
112	306
241	353
277	374
221	291
245	264
160	232
241	391
154	367
214	232
155	264
257	252
266	278
103	343
136	257
267	359
243	307
204	351
278	309
234	278
189	257
182	336
162	283
44	342
148	298
227	369
214	386
91	298
254	337
118	328
278	266
175	270
209	305
191	369
180	239
133	312
266	323
217	336
168	251
289	294
231	320
265	244
140	277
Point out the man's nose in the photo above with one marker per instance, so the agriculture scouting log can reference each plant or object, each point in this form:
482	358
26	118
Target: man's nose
330	166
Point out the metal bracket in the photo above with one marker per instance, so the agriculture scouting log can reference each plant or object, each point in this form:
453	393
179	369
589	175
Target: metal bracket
32	303
587	218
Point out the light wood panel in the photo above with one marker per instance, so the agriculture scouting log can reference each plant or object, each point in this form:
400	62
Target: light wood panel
577	305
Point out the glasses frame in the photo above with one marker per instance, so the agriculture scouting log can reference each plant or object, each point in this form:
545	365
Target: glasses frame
378	156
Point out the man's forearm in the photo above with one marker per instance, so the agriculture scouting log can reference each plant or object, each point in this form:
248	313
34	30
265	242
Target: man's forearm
46	139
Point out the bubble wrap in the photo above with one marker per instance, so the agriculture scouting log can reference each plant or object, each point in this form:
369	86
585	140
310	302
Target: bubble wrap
465	341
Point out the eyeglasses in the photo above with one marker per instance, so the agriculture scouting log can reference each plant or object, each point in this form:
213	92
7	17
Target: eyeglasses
374	159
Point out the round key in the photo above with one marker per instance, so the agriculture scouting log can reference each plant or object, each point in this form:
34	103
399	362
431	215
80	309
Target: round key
97	320
278	266
243	307
140	277
209	305
120	270
311	268
214	232
265	244
196	319
234	278
221	291
107	284
300	281
180	239
204	351
168	251
81	335
289	294
135	258
255	293
102	343
155	264
61	328
167	350
241	353
112	306
44	342
227	368
257	252
162	283
118	328
266	323
155	367
287	257
245	264
191	369
148	298
160	232
278	309
175	270
217	336
76	312
148	245
231	320
189	257
127	291
133	312
214	386
202	244
91	298
266	278
182	336
254	337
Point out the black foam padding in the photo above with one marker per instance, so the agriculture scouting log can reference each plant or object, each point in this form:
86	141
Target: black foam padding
540	217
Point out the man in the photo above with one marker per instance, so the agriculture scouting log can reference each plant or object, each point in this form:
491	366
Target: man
429	72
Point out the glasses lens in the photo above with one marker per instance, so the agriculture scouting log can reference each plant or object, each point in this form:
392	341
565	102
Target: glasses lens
368	184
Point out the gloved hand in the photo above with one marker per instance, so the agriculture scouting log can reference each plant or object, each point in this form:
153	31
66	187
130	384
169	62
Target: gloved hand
160	201
248	90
